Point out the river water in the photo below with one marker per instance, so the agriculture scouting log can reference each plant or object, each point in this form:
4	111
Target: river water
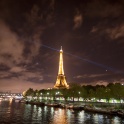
20	113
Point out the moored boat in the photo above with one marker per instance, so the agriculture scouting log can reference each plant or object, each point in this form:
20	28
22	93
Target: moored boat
52	105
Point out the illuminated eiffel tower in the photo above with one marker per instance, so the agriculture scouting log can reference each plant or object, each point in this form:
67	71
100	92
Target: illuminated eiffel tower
61	79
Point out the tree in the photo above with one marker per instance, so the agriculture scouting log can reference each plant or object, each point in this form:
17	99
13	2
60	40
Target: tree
84	92
74	90
29	92
100	92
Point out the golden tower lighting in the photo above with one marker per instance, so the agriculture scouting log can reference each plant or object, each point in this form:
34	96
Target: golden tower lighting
61	79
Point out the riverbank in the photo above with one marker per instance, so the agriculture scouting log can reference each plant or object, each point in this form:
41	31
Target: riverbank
78	107
108	110
21	113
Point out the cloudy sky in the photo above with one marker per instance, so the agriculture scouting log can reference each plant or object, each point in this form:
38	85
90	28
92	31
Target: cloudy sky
91	33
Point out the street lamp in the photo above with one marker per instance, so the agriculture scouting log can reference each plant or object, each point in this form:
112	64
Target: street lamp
41	95
78	96
47	95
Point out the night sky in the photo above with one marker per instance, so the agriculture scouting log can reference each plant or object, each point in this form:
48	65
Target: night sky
91	33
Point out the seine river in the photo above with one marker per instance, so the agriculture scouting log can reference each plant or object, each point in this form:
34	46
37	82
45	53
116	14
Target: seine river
20	113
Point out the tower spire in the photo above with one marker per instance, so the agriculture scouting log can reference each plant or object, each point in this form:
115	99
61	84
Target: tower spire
61	79
61	69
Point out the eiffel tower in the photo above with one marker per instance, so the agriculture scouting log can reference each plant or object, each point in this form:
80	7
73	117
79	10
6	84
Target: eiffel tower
61	79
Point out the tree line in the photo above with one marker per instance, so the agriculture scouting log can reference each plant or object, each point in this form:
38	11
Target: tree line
85	92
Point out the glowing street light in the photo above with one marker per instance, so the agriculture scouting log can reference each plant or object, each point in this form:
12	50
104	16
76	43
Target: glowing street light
78	96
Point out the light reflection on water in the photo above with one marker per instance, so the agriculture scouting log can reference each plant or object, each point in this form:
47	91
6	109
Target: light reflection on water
20	113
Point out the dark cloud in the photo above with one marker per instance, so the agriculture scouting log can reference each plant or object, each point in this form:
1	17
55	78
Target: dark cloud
35	79
9	44
4	67
78	19
106	8
116	32
87	30
98	78
112	32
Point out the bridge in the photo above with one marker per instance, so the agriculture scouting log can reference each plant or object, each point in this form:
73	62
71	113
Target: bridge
9	95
